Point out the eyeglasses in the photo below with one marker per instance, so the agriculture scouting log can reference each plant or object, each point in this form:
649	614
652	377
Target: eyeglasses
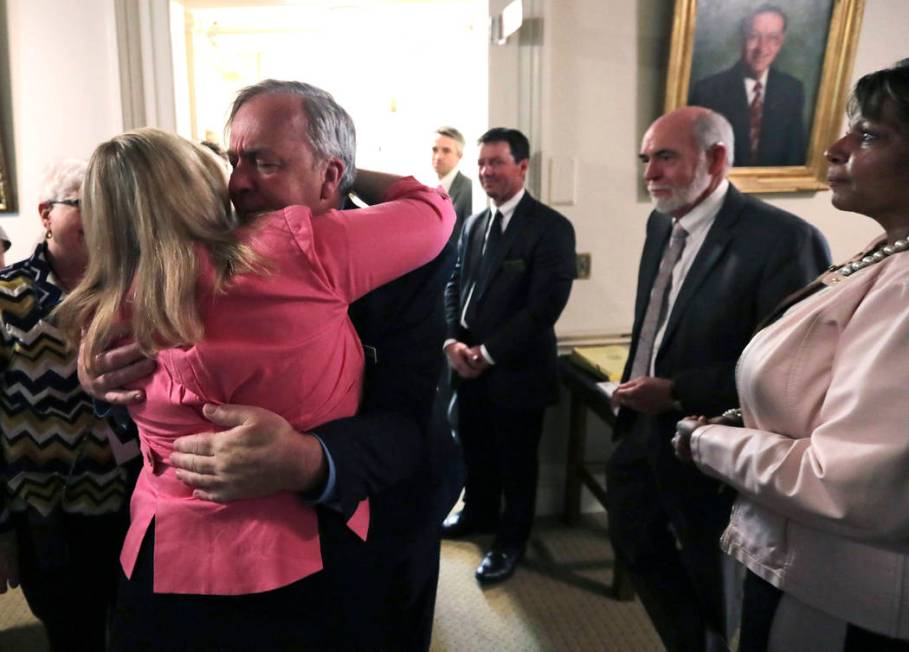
66	202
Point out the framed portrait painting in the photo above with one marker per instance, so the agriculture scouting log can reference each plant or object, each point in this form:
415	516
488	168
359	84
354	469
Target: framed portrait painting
779	71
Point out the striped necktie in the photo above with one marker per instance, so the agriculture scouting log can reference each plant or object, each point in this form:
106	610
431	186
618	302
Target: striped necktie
659	301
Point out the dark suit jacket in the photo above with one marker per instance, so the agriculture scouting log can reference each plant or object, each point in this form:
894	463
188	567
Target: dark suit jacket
752	257
517	306
461	193
385	452
782	140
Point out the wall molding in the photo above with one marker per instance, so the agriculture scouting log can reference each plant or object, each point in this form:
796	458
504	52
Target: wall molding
146	73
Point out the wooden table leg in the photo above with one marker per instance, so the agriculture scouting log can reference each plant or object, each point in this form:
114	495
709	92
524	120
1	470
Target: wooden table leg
577	437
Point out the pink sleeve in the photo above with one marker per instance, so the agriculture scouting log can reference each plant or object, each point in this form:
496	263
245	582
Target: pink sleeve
368	247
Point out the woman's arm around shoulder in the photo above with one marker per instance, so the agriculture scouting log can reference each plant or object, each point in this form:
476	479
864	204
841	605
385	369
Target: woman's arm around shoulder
364	248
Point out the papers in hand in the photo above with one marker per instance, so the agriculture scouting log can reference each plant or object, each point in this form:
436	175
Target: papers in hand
608	387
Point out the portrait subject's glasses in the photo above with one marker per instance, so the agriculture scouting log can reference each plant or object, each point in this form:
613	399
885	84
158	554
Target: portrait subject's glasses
66	202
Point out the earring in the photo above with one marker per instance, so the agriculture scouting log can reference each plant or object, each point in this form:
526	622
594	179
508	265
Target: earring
48	235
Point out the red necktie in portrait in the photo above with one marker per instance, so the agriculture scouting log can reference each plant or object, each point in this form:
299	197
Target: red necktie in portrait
757	115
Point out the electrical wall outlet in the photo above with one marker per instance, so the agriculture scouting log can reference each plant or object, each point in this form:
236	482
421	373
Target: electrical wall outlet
583	266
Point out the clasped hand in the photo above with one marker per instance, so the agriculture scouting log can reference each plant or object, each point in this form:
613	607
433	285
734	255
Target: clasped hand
646	394
681	442
467	361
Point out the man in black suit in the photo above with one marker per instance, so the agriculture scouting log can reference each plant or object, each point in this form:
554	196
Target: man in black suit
715	262
516	263
447	151
763	104
373	594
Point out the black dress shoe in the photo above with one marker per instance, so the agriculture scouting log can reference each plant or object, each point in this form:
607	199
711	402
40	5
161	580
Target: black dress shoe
498	565
459	525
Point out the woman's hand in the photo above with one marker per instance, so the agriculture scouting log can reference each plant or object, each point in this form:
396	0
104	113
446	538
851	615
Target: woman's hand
683	431
9	561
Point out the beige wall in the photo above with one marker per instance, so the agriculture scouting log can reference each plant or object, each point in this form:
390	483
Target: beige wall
65	95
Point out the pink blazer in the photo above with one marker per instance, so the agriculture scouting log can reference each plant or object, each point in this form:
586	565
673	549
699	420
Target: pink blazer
282	341
822	468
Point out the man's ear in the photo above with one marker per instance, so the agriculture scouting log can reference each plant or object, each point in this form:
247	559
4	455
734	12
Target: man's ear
523	165
331	179
717	156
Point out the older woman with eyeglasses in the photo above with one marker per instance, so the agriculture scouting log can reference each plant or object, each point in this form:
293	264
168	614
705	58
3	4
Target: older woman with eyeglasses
62	492
821	457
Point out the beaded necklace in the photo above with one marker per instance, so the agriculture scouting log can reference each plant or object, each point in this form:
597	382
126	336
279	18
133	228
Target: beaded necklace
882	252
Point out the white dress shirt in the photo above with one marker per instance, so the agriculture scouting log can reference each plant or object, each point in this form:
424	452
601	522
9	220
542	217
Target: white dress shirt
448	179
750	83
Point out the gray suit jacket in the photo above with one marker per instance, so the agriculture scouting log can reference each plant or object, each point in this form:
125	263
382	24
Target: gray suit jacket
461	193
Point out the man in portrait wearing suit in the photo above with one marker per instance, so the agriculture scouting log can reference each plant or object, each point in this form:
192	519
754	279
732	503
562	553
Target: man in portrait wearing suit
764	105
372	594
516	264
715	262
447	150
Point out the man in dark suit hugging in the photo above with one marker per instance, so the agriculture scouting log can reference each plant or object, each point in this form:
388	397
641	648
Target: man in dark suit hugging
516	263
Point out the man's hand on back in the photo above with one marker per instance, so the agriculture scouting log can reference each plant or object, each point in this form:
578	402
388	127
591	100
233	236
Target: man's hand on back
258	455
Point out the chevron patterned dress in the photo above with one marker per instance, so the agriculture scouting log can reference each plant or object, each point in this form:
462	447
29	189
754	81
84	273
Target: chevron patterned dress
55	454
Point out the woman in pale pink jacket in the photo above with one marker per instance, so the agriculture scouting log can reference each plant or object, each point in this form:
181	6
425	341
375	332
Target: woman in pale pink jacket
821	461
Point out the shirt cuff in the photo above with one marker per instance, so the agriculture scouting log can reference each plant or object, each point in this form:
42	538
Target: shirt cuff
694	444
327	497
486	355
102	409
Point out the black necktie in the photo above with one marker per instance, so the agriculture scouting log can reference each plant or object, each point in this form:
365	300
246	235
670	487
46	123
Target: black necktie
490	247
485	269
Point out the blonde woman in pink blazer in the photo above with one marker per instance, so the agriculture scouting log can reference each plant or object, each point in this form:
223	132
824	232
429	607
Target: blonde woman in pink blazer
250	313
821	462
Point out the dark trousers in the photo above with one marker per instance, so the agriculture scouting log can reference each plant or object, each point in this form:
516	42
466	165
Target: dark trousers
361	600
670	550
412	594
759	607
500	457
68	571
313	613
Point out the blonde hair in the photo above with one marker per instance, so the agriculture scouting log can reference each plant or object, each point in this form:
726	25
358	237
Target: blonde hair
150	201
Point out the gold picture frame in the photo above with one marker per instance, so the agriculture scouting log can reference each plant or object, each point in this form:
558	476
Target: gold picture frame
6	197
830	97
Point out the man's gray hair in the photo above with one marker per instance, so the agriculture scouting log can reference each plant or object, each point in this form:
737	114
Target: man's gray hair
711	128
62	179
330	129
454	134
